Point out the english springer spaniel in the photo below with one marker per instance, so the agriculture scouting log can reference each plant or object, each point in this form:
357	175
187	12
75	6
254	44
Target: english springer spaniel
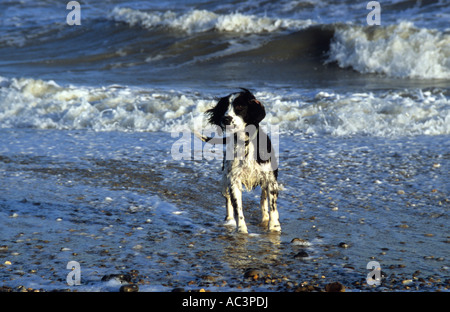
249	158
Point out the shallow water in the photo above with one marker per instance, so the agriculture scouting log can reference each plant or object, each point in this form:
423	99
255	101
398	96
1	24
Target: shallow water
117	202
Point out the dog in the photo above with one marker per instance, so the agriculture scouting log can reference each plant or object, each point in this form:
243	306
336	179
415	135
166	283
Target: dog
249	158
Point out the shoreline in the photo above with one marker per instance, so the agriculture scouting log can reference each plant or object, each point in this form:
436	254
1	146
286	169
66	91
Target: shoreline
138	213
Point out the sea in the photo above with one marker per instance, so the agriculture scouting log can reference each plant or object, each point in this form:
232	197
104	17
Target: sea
97	98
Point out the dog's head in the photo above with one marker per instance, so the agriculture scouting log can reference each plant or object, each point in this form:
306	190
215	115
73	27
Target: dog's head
236	111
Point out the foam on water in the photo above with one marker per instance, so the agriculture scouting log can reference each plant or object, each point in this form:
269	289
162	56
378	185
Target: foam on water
385	114
42	104
29	103
401	50
204	20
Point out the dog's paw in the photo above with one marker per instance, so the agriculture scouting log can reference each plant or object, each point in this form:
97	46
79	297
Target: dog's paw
242	229
275	227
230	223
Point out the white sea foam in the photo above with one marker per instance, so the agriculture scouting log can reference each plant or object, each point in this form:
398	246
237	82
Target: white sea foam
388	114
45	104
400	50
203	20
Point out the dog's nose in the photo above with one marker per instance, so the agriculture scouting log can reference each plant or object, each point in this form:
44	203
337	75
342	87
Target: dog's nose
226	120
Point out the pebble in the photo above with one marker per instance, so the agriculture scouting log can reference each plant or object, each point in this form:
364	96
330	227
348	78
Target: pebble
307	288
129	288
122	278
407	281
5	289
209	278
252	273
334	287
343	245
301	254
300	242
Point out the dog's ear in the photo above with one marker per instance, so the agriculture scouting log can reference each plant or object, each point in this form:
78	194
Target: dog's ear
216	113
256	112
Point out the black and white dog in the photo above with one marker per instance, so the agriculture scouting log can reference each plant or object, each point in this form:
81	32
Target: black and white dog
249	158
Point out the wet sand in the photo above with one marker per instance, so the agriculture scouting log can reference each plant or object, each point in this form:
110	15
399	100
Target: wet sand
135	216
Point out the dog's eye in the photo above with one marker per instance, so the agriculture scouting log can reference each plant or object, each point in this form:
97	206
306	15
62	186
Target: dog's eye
239	107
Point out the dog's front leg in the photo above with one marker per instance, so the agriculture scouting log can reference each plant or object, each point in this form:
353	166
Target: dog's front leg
229	219
236	201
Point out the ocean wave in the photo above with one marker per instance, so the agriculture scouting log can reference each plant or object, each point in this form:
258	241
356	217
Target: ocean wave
138	45
196	21
400	50
390	114
30	103
35	103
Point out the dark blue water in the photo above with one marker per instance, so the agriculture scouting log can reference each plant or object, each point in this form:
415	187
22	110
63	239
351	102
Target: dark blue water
208	44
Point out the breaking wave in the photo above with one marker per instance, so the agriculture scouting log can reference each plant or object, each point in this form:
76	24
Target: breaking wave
398	50
29	103
204	20
146	41
401	51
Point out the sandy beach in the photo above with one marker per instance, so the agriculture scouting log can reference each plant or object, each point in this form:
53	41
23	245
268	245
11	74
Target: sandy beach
158	222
